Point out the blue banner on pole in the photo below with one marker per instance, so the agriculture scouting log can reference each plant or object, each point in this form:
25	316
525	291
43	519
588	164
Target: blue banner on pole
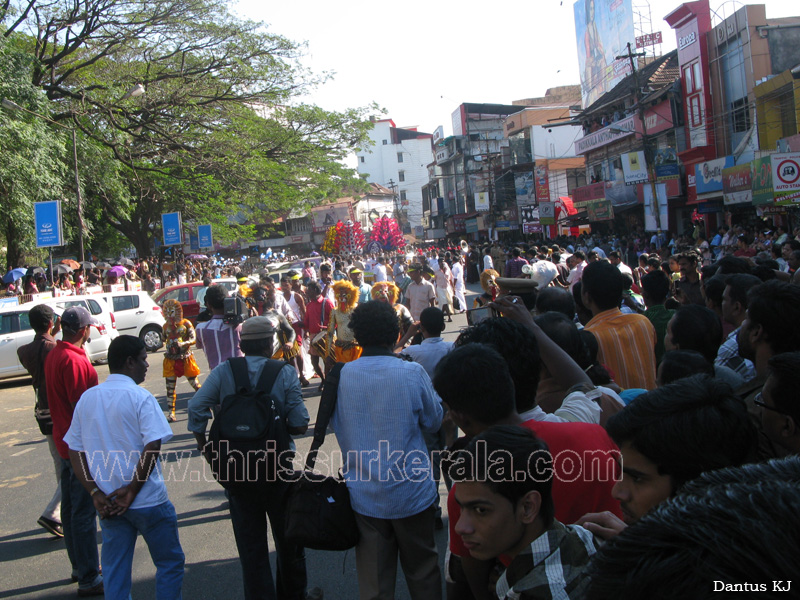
171	224
193	244
48	224
204	235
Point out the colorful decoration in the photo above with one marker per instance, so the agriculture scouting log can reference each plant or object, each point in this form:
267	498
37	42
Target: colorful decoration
344	238
388	234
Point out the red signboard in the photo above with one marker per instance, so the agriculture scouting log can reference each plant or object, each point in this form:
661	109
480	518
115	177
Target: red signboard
541	178
648	39
595	191
658	118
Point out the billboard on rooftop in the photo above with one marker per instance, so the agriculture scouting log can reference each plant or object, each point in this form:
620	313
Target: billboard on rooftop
603	29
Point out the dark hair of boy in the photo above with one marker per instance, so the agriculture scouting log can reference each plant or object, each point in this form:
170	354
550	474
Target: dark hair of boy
432	320
699	328
518	346
121	349
775	306
215	297
678	364
554	299
784	370
655	287
602	282
747	534
375	324
41	318
515	450
693	425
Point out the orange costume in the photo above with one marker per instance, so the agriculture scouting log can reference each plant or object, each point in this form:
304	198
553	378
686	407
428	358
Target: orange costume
178	358
345	348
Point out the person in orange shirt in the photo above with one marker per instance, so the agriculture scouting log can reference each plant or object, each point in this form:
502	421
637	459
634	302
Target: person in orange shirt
627	341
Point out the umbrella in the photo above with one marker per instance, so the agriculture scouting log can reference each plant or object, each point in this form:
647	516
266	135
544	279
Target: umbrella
87	264
59	269
72	264
35	271
14	274
197	257
103	265
119	270
125	262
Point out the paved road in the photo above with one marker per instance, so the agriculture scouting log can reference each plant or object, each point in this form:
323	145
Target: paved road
35	564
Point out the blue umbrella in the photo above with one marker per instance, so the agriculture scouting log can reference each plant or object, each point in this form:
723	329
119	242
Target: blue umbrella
14	274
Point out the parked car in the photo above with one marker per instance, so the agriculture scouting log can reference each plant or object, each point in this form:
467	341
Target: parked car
16	331
191	295
137	314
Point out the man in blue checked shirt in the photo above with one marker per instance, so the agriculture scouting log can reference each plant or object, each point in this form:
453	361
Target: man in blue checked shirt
384	405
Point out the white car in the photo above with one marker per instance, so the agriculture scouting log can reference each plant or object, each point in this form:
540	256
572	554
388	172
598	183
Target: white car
137	314
16	331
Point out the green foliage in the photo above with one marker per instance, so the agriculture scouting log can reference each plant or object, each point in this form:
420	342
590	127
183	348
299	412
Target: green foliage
218	135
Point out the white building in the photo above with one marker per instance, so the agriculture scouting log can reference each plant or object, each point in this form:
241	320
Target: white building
398	159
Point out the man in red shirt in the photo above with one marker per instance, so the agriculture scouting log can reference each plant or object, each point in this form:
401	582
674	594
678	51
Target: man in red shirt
68	373
475	384
318	314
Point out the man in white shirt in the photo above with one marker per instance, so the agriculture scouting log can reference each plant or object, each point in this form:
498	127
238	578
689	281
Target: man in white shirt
488	263
458	283
577	264
420	293
615	259
113	423
380	270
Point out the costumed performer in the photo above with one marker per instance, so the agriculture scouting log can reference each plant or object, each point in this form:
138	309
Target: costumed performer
345	348
386	291
178	358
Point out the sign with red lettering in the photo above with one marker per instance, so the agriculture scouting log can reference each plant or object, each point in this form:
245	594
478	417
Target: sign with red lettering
786	178
648	39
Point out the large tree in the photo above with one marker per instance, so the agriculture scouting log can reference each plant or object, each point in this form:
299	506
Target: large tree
219	131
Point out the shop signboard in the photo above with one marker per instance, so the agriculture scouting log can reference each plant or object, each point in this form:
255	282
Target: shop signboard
708	175
667	164
599	210
786	178
472	225
634	167
583	194
547	213
737	185
761	177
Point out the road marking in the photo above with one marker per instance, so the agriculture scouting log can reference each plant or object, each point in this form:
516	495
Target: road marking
16	482
24	451
17	409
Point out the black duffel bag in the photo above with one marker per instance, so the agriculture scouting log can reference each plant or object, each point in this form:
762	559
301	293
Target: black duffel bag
318	510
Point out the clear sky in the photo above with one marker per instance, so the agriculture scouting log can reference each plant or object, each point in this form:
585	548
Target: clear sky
420	59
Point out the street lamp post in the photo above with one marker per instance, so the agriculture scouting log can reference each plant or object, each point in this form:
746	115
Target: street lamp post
135	91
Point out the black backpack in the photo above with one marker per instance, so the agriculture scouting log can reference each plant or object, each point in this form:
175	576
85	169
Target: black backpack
248	445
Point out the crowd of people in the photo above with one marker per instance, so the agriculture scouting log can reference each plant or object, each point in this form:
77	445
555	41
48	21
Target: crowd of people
618	420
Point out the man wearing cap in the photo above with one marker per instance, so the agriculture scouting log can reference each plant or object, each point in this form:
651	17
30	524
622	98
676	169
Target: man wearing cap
364	289
420	293
247	511
67	374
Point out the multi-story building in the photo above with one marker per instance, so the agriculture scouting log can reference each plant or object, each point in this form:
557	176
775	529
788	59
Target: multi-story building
631	138
398	160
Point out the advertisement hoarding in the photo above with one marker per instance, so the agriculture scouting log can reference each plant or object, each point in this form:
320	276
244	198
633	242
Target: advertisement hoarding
326	216
205	239
47	216
634	167
603	28
171	226
541	177
523	185
482	201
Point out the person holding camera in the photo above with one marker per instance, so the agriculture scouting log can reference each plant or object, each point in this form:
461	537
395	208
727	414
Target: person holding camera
218	339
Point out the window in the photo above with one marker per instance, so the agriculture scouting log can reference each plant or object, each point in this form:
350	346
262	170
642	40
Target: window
740	115
180	294
385	142
24	322
399	157
403	198
695	114
125	302
401	175
361	158
5	324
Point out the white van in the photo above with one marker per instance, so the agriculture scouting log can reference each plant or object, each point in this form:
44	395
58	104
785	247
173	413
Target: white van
137	314
16	331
